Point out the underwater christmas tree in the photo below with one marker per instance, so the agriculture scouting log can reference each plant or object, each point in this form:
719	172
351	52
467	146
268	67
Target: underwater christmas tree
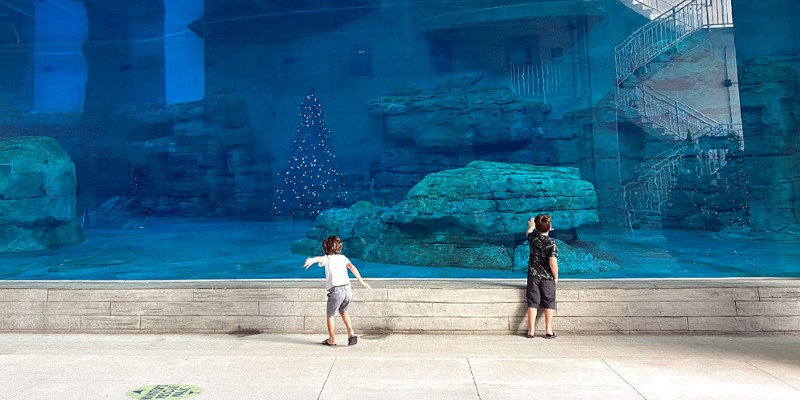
310	182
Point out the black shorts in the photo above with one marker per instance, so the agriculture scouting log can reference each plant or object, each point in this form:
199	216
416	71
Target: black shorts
541	293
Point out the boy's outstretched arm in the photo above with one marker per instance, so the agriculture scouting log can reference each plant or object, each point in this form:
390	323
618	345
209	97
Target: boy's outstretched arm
312	260
353	269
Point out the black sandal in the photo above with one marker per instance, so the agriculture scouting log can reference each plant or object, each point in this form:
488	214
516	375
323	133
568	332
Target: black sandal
327	343
553	336
352	340
528	335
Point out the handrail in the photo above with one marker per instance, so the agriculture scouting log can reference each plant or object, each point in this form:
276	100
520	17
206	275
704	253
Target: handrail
666	31
649	190
659	6
679	119
655	37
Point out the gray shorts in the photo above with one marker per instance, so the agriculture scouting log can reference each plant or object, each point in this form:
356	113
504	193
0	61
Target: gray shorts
541	293
339	299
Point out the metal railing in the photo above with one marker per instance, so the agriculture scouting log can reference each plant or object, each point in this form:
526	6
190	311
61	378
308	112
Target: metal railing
680	120
657	6
552	80
666	31
645	196
719	14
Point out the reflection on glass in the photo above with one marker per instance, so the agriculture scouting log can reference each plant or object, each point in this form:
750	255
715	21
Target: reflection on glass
165	139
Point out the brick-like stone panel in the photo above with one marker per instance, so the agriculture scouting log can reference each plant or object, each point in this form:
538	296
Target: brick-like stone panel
77	308
40	323
564	294
119	294
23	294
779	293
390	309
221	324
21	307
479	310
768	308
459	295
257	295
188	308
453	324
745	324
109	323
295	308
669	294
646	308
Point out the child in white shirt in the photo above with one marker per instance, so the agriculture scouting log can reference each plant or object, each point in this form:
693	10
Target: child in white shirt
337	283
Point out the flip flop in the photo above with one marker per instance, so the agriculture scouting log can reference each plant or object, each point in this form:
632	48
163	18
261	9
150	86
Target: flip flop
352	340
528	335
553	336
327	343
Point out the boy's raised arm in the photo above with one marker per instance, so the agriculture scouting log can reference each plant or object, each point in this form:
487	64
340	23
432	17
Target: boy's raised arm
312	260
531	226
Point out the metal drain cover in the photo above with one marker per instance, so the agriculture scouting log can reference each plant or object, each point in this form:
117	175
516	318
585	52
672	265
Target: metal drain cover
172	391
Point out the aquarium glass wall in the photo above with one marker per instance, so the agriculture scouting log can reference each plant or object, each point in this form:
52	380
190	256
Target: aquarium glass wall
224	139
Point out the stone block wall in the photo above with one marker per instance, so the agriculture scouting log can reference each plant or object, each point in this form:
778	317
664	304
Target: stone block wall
37	195
743	306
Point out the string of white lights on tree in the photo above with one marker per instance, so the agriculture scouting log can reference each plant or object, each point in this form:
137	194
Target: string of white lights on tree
310	182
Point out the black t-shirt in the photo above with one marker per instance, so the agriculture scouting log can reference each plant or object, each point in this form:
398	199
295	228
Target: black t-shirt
541	249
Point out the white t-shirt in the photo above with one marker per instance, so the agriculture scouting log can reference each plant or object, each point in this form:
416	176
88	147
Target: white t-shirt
336	270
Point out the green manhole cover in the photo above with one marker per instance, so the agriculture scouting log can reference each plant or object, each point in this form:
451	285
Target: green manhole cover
164	392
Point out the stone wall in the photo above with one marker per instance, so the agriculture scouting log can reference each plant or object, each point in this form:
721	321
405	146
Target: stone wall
459	121
767	40
37	195
454	307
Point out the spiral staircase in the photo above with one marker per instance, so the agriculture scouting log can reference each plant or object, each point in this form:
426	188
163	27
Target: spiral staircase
673	28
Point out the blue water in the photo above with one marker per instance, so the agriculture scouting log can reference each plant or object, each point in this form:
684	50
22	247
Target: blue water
183	249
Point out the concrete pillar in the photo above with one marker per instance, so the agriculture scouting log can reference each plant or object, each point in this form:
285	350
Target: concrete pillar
16	54
767	42
124	52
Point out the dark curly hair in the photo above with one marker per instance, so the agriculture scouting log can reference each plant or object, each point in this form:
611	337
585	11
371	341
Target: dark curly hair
332	245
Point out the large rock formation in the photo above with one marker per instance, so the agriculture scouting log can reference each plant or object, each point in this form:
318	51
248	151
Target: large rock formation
495	199
461	120
37	195
198	157
467	217
458	113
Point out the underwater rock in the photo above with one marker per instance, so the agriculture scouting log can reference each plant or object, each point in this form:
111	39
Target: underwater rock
467	217
357	226
497	199
37	195
457	113
395	171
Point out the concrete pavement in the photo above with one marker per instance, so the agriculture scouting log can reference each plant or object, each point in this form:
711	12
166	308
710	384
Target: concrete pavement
485	367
